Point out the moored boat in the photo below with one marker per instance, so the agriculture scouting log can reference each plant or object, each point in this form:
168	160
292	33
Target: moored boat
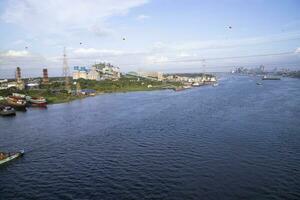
37	101
187	87
196	84
16	102
6	157
7	111
270	78
177	89
23	96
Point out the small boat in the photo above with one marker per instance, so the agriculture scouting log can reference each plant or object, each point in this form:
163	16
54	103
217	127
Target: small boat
7	111
177	89
215	84
37	101
16	102
264	78
187	87
6	157
196	84
23	96
258	83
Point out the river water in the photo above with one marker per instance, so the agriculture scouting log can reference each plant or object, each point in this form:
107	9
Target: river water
235	141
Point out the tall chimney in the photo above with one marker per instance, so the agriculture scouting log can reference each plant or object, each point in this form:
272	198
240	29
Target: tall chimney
45	76
18	75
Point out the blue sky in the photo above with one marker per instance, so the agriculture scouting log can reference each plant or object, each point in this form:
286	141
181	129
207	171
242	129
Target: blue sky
161	35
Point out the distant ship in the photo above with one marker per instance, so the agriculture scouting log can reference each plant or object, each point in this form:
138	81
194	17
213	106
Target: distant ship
270	78
6	157
7	111
258	83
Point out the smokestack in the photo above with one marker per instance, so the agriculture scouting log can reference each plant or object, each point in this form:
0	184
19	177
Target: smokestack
45	76
18	75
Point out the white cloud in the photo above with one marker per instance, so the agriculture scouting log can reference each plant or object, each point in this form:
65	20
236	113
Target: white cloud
92	52
142	17
225	43
54	16
11	59
187	55
13	53
156	59
102	31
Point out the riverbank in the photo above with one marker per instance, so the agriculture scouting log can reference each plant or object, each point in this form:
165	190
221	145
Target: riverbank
55	91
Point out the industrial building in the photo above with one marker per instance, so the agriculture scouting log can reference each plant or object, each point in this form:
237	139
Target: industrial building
97	72
152	75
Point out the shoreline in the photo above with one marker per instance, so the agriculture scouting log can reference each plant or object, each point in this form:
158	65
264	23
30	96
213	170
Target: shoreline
56	91
69	98
109	92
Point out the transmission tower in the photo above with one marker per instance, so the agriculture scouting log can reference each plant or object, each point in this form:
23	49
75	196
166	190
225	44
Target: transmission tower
204	66
66	71
78	88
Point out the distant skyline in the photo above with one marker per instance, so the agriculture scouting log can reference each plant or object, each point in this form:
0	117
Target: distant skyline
153	35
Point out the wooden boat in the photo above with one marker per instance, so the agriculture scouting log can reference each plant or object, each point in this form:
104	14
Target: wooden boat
177	89
7	111
6	157
16	102
37	101
23	96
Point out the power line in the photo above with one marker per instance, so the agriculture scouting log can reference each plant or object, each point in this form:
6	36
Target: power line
214	58
230	57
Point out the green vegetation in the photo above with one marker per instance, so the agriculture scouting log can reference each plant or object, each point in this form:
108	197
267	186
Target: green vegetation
56	93
125	84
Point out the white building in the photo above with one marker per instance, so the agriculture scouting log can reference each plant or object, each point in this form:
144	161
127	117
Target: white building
3	84
154	75
93	74
97	72
80	72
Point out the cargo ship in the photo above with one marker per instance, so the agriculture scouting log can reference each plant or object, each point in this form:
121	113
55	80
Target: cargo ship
270	78
37	101
7	111
6	157
16	102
